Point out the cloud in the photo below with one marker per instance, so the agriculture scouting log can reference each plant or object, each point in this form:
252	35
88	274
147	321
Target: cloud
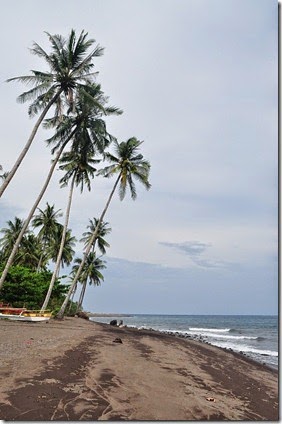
208	263
191	248
194	249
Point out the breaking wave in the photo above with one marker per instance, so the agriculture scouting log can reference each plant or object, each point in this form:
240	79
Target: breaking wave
212	330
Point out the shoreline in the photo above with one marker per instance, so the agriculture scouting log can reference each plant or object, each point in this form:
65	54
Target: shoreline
230	350
76	369
180	335
197	339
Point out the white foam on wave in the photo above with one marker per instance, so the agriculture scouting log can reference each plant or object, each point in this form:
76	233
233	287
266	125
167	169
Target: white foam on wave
217	333
246	349
211	335
223	336
209	330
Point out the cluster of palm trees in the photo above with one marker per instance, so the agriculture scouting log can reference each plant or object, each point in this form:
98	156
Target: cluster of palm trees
79	143
37	251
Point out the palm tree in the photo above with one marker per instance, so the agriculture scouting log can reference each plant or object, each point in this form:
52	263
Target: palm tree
79	169
127	164
70	67
68	250
10	235
103	231
90	273
87	118
101	243
46	220
28	248
29	252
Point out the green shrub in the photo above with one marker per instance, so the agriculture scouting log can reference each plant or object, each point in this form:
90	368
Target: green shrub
25	287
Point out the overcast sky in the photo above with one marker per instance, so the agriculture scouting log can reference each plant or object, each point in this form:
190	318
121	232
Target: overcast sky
197	81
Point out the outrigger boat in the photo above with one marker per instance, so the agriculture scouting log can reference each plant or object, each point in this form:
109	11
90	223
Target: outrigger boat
23	314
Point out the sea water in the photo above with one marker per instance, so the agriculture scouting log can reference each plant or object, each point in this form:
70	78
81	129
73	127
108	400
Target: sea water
256	336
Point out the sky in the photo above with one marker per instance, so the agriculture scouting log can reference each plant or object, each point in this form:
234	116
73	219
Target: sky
197	81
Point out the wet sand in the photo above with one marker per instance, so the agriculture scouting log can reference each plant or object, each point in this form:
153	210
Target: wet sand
74	370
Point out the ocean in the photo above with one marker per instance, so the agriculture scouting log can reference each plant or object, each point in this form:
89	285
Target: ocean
256	336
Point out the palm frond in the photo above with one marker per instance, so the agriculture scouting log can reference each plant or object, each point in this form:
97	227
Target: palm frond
79	49
33	93
108	171
41	101
57	42
36	78
113	110
39	51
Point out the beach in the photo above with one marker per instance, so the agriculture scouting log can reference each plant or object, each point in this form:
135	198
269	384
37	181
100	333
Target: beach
75	369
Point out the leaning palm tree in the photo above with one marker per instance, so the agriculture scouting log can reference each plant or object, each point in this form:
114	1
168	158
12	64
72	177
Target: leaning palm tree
46	221
127	165
90	274
70	66
79	170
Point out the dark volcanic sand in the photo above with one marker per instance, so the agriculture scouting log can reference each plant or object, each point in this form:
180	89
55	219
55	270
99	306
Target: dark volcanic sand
73	370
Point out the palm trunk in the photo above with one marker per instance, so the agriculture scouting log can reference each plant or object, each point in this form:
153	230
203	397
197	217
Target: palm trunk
81	297
28	144
72	297
59	257
87	251
31	213
40	260
59	266
41	257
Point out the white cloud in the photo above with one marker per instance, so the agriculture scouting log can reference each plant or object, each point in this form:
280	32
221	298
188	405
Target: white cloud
194	250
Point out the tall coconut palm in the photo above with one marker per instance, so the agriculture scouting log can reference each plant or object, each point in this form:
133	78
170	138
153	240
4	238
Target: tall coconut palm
90	274
46	221
70	66
79	168
101	243
128	164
